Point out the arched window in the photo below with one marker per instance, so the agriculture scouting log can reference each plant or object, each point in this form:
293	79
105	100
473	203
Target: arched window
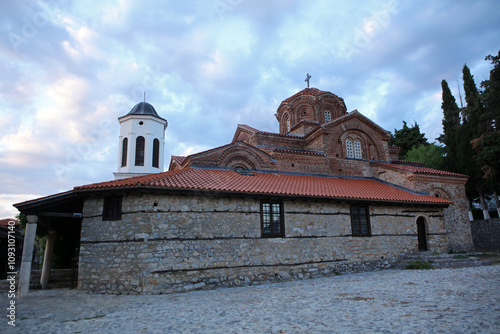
328	116
285	126
139	151
156	153
357	150
124	151
349	150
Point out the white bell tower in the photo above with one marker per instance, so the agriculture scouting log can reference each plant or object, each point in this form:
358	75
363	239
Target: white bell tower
141	147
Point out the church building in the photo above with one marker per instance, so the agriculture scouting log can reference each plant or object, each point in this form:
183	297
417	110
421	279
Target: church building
323	196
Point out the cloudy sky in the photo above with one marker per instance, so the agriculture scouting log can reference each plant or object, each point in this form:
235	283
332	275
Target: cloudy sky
69	69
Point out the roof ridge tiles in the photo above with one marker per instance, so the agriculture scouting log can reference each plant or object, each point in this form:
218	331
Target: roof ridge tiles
418	169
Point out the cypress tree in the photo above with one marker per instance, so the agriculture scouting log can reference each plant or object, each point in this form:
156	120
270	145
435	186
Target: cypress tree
488	143
451	128
472	128
474	113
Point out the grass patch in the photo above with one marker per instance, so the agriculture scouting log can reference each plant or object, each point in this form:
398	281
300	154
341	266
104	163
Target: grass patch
419	265
461	256
485	255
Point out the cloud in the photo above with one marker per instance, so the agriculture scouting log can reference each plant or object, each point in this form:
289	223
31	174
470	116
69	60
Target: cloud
69	69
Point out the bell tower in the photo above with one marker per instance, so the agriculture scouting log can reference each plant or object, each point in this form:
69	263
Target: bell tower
141	146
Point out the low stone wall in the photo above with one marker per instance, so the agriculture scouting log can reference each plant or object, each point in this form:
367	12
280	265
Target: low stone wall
167	244
486	234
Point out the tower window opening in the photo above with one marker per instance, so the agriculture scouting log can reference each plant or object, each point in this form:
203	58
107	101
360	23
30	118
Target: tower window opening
139	151
156	153
124	151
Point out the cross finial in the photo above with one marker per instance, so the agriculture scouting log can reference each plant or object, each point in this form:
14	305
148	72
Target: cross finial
144	96
307	79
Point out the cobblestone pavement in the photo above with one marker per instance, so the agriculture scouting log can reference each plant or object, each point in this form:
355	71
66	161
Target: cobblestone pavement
464	300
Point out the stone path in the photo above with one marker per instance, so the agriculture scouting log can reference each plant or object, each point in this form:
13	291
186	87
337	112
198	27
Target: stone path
463	300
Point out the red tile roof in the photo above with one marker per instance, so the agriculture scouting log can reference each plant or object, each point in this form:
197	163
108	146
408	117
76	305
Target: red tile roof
418	169
268	183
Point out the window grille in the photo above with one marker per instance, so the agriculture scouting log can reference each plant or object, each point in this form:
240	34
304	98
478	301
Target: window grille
357	150
349	149
272	219
360	220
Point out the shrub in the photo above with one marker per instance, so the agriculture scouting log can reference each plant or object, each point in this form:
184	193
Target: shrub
419	265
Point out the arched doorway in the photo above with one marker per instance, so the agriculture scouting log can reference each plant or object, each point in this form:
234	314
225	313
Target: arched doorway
422	234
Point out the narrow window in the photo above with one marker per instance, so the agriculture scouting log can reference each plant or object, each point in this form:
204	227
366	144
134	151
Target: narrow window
272	219
328	116
360	221
286	123
139	151
357	150
124	151
156	153
349	150
112	209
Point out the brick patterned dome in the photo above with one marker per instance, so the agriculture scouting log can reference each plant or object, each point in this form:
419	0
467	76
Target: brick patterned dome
309	105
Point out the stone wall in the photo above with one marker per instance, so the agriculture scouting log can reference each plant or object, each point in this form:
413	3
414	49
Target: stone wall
486	234
168	243
451	188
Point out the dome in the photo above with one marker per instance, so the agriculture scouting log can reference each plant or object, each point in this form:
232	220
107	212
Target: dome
143	108
308	91
309	105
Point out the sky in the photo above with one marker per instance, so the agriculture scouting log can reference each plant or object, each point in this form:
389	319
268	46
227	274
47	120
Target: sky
69	69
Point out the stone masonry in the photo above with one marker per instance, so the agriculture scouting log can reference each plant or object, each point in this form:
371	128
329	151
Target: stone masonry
170	243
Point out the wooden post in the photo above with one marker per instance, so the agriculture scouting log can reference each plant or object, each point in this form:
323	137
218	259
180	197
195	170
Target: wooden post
47	259
29	243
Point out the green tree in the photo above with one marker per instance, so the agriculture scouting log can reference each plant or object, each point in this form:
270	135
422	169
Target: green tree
488	143
451	129
407	137
432	155
472	126
473	115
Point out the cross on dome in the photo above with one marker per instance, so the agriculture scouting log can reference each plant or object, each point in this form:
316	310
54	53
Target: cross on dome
307	79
